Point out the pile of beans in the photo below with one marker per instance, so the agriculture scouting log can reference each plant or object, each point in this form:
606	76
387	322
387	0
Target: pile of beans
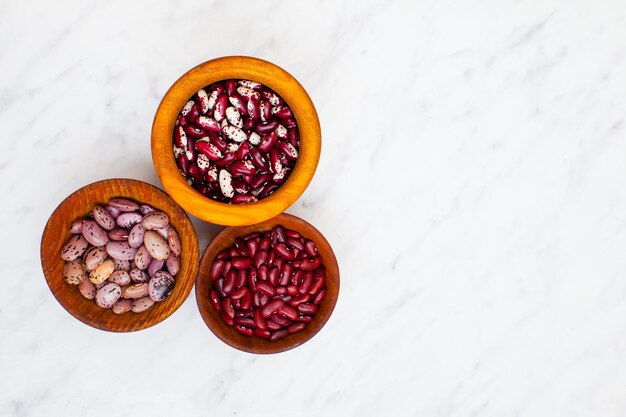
124	255
236	141
268	284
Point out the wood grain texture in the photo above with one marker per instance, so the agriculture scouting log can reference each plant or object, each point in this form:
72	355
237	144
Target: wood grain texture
226	68
77	206
254	344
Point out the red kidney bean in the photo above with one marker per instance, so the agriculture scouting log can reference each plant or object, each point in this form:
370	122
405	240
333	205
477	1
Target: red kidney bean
252	278
295	327
195	173
282	250
285	274
292	289
273	274
293	137
296	301
268	141
296	278
243	151
289	312
239	294
242	278
228	320
295	243
223	254
271	258
253	247
227	159
307	309
310	264
264	333
252	235
262	272
259	321
215	300
227	308
219	287
318	284
227	267
230	86
264	299
304	319
245	321
286	298
229	281
293	234
246	301
307	281
311	248
319	297
246	331
281	320
216	269
241	263
279	263
272	325
183	164
266	288
271	307
281	290
260	258
289	123
278	335
261	179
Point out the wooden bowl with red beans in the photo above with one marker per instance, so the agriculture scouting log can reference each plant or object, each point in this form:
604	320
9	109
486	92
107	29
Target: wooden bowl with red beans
269	287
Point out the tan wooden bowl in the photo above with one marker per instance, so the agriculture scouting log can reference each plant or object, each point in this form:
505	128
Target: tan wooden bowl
221	69
78	205
254	344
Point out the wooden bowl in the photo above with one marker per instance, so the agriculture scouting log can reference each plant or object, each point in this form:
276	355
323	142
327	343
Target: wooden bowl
254	344
78	205
221	69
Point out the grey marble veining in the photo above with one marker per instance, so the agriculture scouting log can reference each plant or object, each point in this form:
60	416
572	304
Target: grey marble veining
472	183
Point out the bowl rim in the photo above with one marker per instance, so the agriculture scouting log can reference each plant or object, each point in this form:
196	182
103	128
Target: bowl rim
229	335
236	67
155	318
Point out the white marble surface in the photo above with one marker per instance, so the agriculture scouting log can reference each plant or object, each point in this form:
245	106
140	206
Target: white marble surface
472	183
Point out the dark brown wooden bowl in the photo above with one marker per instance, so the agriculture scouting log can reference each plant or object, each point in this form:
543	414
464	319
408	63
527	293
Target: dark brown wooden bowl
254	344
78	205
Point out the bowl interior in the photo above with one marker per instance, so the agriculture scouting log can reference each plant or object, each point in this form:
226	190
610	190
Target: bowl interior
254	344
236	68
77	206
